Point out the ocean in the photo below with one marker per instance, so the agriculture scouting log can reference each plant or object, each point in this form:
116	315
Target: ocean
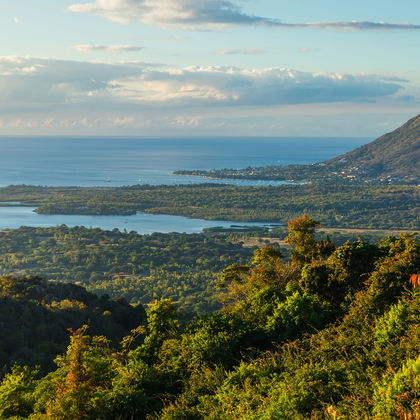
95	161
76	161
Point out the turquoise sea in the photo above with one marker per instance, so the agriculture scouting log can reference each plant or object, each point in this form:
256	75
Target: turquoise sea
94	161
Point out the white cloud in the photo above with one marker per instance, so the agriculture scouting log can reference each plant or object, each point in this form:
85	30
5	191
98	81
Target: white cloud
186	121
243	52
187	13
90	48
122	121
305	50
233	86
356	25
16	20
200	14
48	122
26	81
45	84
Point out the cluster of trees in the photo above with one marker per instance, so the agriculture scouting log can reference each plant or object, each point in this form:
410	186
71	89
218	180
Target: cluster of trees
332	333
354	206
140	268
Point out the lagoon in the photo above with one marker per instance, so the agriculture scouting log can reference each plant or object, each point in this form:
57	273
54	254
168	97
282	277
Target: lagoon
12	217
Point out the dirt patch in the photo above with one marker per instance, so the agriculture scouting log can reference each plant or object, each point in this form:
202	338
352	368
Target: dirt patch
260	242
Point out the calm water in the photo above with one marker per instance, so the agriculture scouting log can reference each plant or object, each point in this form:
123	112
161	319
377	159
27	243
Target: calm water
129	161
143	223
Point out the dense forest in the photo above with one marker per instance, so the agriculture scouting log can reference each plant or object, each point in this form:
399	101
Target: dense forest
346	206
333	332
140	268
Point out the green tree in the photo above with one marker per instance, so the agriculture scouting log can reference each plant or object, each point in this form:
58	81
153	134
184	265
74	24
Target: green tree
16	393
302	238
87	367
162	325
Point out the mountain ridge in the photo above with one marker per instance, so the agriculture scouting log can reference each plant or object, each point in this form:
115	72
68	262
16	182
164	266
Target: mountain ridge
394	154
392	158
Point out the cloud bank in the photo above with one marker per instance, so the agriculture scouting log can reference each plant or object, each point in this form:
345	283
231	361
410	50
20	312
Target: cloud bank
35	83
199	14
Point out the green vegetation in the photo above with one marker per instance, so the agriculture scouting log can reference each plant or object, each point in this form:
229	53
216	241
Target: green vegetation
35	316
333	333
346	206
320	329
139	268
391	159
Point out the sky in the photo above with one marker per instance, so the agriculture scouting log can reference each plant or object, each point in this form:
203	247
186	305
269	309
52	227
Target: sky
208	67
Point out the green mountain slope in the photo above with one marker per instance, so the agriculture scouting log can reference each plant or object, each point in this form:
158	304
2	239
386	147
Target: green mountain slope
390	159
395	155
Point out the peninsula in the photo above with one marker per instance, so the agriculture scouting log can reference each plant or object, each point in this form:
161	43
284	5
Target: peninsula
390	159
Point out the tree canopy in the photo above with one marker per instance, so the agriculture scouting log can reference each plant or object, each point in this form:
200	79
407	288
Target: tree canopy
336	335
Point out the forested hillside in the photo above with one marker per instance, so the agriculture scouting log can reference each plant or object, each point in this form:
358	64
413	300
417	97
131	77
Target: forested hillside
332	333
394	155
390	159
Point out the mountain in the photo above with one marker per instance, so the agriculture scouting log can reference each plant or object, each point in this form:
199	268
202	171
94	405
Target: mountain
393	156
391	159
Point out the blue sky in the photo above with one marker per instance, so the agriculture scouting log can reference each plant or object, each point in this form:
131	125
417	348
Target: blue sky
208	67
